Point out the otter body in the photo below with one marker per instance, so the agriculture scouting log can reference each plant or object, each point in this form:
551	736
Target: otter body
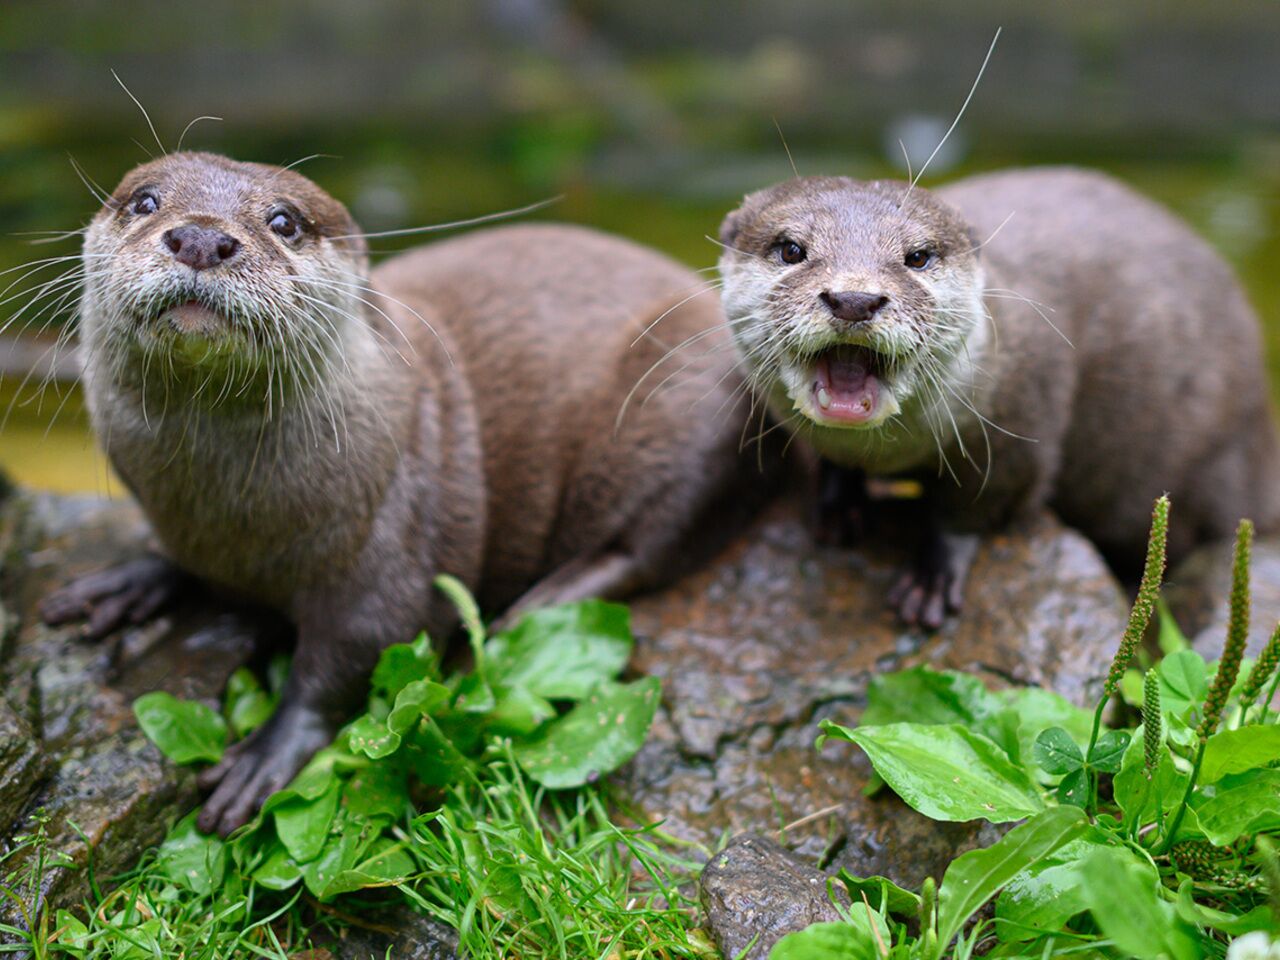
326	440
1021	339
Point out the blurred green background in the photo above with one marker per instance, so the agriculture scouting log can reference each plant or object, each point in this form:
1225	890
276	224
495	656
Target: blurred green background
651	119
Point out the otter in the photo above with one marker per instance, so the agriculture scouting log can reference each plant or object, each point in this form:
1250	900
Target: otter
324	439
1013	340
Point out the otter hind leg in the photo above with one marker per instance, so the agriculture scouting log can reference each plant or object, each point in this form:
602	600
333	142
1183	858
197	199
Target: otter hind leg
131	592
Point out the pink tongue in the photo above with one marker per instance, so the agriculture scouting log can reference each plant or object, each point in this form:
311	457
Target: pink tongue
852	391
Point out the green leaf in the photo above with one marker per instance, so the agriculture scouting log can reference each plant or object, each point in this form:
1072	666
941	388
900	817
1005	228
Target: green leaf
184	730
1235	751
380	789
833	941
415	700
371	737
880	890
562	652
1108	752
1074	788
246	705
432	756
596	737
518	712
403	663
303	824
975	877
1141	800
1172	639
1047	894
1123	898
1239	804
1259	918
386	864
72	935
191	859
1183	682
1056	752
352	837
1037	709
945	771
279	871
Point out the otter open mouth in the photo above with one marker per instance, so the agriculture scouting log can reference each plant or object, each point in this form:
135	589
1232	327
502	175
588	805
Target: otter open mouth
847	383
193	317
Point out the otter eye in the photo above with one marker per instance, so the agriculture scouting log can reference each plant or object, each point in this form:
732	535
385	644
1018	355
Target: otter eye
144	202
789	251
918	259
284	223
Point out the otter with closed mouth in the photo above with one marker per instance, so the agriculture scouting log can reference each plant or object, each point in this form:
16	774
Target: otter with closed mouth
1015	340
324	439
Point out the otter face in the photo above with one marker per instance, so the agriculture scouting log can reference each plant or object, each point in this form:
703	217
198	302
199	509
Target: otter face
853	299
211	262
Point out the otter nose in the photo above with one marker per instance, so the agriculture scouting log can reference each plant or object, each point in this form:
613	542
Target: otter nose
200	247
853	307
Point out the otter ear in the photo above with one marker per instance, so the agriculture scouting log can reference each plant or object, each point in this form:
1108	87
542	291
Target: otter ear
731	226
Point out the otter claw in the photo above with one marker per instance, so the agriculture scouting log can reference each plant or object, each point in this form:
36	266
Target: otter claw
131	592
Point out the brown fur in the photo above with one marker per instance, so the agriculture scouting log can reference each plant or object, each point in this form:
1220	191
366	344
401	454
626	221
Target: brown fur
332	460
1161	388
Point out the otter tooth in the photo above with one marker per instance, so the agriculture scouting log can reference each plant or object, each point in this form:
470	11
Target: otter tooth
824	398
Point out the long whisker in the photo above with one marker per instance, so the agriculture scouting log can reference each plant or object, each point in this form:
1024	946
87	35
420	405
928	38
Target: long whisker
486	218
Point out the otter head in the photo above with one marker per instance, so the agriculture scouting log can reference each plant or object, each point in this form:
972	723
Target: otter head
211	266
850	299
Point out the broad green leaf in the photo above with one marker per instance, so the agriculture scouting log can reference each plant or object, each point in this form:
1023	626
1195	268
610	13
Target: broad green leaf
415	700
834	941
1108	752
346	848
518	712
432	756
403	663
1056	752
184	730
1239	804
562	652
371	737
1074	788
1183	682
1044	896
975	877
945	771
1038	709
303	824
1121	890
386	864
1235	751
279	871
377	790
191	859
1259	918
71	933
896	900
596	737
246	705
1140	799
1172	639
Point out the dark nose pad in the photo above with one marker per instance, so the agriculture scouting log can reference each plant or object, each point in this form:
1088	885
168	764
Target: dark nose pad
851	308
200	247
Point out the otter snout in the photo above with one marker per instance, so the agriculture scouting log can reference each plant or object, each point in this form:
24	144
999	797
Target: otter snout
850	308
200	248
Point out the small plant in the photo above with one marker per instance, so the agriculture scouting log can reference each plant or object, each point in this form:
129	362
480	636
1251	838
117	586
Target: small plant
476	799
1154	842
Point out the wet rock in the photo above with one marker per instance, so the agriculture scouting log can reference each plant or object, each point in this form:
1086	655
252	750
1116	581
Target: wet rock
403	936
1198	592
778	634
756	892
107	790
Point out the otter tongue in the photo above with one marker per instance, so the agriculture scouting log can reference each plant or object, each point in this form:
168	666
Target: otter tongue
844	387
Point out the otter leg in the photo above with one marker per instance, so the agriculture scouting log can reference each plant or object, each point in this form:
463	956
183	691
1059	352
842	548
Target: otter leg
131	592
607	575
840	508
933	585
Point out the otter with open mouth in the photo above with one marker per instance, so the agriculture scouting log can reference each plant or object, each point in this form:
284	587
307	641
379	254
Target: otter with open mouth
1021	339
325	439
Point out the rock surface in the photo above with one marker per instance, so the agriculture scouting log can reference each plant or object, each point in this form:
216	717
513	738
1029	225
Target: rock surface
415	938
756	892
1198	593
66	706
779	634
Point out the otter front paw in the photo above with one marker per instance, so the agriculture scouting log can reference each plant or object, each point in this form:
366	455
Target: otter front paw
258	766
934	585
131	592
